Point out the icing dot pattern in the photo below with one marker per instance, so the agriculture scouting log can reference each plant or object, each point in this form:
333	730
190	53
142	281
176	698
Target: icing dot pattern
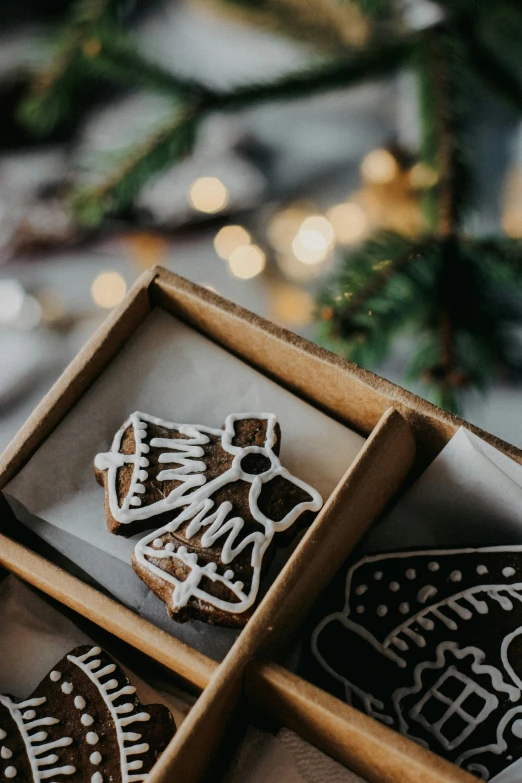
411	585
115	694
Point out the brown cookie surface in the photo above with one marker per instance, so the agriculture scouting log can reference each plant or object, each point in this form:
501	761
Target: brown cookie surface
84	724
215	499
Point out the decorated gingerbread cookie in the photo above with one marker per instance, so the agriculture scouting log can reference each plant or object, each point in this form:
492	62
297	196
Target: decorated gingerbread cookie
82	724
430	643
215	498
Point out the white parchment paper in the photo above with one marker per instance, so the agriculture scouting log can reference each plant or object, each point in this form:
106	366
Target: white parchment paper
471	495
35	636
284	758
171	371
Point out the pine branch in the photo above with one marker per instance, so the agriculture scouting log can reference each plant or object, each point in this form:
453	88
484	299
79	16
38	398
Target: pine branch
374	8
383	272
495	75
442	85
144	162
166	146
374	61
114	56
331	26
51	98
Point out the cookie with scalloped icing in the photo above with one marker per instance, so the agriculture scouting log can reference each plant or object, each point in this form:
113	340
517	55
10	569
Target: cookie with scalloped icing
430	643
215	500
82	724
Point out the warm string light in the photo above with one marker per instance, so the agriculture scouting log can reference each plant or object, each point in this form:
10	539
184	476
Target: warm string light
379	167
246	262
349	222
229	238
108	289
234	244
208	194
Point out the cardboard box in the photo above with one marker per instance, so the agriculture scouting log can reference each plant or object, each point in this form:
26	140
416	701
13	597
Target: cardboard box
404	433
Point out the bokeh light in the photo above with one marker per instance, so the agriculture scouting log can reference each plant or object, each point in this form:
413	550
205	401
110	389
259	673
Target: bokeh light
108	289
422	176
229	238
379	167
283	227
208	194
313	240
348	221
246	261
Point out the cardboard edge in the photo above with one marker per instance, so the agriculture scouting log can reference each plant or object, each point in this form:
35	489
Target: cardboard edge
374	751
183	660
78	376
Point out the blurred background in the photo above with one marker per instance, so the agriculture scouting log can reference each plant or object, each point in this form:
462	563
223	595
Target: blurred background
350	170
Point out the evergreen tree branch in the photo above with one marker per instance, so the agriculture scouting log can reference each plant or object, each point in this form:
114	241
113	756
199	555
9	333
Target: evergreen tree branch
493	72
116	58
166	146
383	272
378	59
144	163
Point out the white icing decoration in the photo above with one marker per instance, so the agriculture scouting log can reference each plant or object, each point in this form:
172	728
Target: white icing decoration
170	547
419	640
477	598
378	575
92	669
67	687
425	623
411	573
361	589
10	772
425	593
394	586
97	778
433	566
92	738
404	607
382	610
33	750
29	715
55	676
199	509
490	701
87	720
360	609
79	702
157	543
5	752
516	728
